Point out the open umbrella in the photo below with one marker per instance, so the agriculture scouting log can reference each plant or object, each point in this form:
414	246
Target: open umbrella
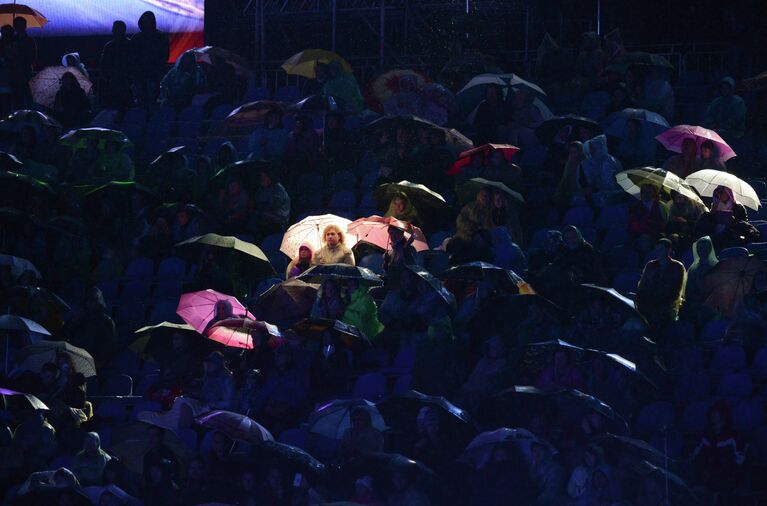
548	130
235	426
334	418
287	302
380	466
707	180
33	401
34	357
434	283
19	266
402	412
250	115
469	97
314	104
249	256
480	450
201	309
320	273
15	183
390	123
467	191
80	137
729	282
310	230
757	82
666	182
147	344
247	171
287	456
485	150
208	54
243	332
673	138
641	59
46	83
9	162
38	304
19	120
419	195
14	323
342	333
622	446
375	230
131	441
387	84
652	123
121	189
8	12
499	277
305	63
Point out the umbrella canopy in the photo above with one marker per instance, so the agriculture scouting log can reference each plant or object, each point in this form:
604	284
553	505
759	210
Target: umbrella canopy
612	294
375	230
250	115
757	82
14	183
33	401
550	128
641	59
10	11
19	266
80	137
8	162
320	273
121	188
707	180
401	413
482	271
208	54
235	426
419	195
342	333
485	150
19	120
469	97
247	171
305	63
434	283
467	191
390	123
334	418
651	123
387	84
201	309
46	83
666	182
315	103
34	357
253	261
640	450
380	466
147	345
131	443
243	332
286	302
673	138
729	282
479	452
14	323
310	230
288	456
38	304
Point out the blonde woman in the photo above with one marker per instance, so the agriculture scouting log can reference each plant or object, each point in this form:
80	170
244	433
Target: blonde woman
333	251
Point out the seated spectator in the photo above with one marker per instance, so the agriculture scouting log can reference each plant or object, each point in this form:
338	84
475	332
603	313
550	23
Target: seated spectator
186	225
487	375
330	301
284	391
268	141
362	311
407	100
661	287
303	146
683	214
569	187
182	82
657	95
245	399
160	488
158	453
301	263
116	163
709	158
401	208
505	215
647	218
338	146
597	172
719	456
217	390
727	221
401	252
71	106
343	87
233	206
727	113
89	464
364	492
35	441
525	118
334	251
508	254
93	329
686	162
361	437
561	374
637	148
490	114
270	210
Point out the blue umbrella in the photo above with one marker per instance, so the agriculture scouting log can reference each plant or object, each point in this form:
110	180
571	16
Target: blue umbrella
652	123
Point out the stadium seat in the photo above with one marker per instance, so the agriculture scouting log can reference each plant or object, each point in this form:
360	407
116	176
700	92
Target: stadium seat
728	358
271	243
164	310
373	261
692	386
370	386
747	415
253	94
626	282
139	268
736	385
714	330
171	268
342	180
759	364
342	201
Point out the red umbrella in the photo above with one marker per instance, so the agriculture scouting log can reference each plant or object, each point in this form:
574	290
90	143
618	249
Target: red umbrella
242	332
235	426
201	309
673	138
485	150
375	230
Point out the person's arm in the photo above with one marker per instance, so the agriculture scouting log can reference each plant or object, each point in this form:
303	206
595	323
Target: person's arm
348	257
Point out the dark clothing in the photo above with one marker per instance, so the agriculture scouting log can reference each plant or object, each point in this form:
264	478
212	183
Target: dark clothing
71	107
644	221
659	294
149	53
115	74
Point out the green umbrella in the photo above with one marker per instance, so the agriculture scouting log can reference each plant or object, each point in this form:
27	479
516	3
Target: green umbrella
18	120
249	256
418	194
79	138
467	192
13	182
245	170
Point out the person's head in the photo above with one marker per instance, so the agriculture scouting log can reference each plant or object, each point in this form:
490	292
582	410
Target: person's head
360	418
6	33
493	93
71	60
330	289
553	241
223	309
273	119
538	451
707	150
585	133
400	203
499	199
572	237
719	418
484	196
396	235
500	454
20	24
226	154
183	216
264	179
119	29
233	187
49	374
400	480
274	479
723	195
303	124
248	480
69	81
403	135
679	199
214	362
664	248
494	348
195	470
689	148
592	456
726	86
147	23
522	97
91	443
187	62
334	120
321	72
333	235
305	253
437	137
64	363
648	193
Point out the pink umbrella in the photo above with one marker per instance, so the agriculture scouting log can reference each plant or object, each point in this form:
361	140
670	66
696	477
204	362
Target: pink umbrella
673	138
485	150
201	309
241	333
375	230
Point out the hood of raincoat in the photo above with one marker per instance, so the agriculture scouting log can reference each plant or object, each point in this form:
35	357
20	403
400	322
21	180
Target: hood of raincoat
147	22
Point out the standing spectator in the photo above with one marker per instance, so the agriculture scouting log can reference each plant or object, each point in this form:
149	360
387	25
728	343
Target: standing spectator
267	142
182	82
343	87
334	251
94	329
89	464
149	51
115	69
661	287
709	158
727	113
303	146
71	106
490	114
26	54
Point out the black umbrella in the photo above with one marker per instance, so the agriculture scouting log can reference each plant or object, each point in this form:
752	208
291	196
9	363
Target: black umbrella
31	400
10	162
639	450
499	277
246	171
343	333
547	130
419	195
434	283
381	465
320	273
286	303
392	123
288	456
248	257
315	103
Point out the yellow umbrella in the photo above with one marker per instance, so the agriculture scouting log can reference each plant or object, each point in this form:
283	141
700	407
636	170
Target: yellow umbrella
10	11
305	62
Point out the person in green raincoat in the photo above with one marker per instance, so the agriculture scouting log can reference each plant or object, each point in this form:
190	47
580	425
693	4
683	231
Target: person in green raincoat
362	311
343	88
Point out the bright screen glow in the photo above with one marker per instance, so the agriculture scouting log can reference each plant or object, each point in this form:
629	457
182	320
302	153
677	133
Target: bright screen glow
95	17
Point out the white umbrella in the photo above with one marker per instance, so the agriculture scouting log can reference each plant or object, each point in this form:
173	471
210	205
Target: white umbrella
706	181
46	83
309	230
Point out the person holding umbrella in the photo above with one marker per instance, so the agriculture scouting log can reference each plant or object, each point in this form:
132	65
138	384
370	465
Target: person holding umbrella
686	162
301	263
726	222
